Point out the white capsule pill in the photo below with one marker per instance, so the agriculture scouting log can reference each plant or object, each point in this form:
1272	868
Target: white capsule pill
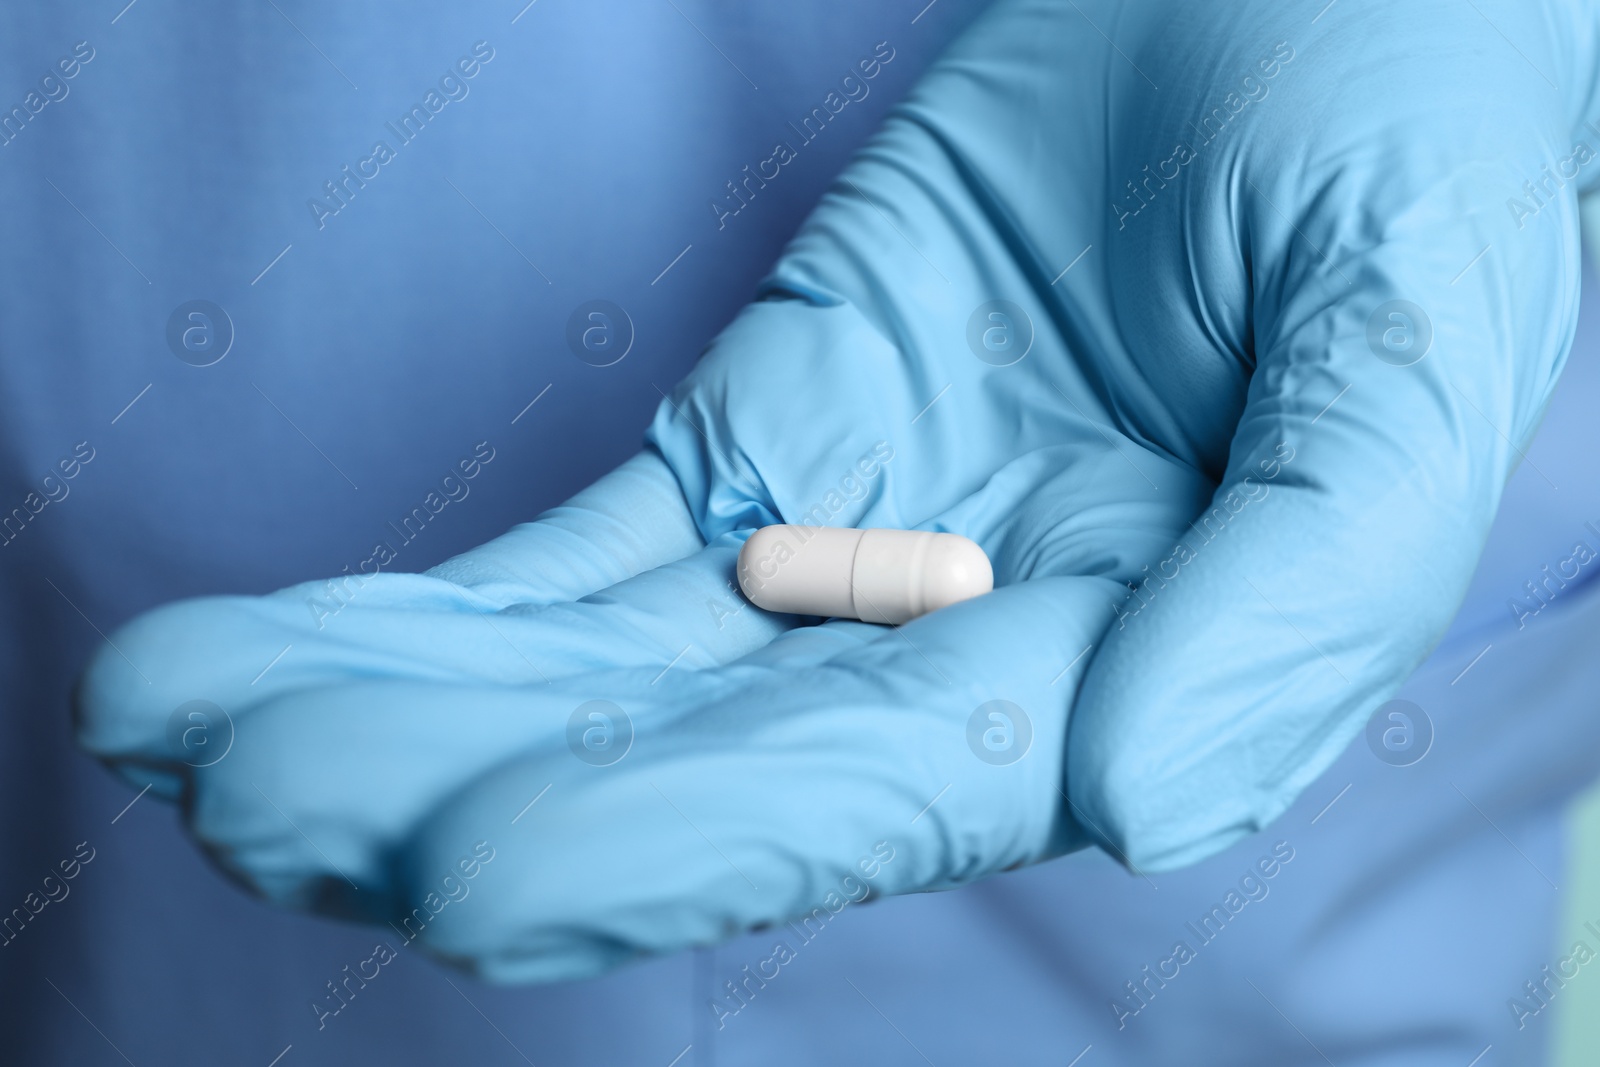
888	576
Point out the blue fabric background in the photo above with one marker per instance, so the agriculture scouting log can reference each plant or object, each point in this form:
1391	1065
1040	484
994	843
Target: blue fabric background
421	319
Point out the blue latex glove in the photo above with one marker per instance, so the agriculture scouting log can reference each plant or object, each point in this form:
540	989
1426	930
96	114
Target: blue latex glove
1208	357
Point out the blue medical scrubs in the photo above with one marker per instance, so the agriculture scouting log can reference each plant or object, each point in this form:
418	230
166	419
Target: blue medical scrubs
269	269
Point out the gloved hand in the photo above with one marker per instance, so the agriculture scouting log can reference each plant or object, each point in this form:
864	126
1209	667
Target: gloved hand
1251	310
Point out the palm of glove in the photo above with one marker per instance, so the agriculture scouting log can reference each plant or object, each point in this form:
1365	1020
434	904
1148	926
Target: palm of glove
1113	335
